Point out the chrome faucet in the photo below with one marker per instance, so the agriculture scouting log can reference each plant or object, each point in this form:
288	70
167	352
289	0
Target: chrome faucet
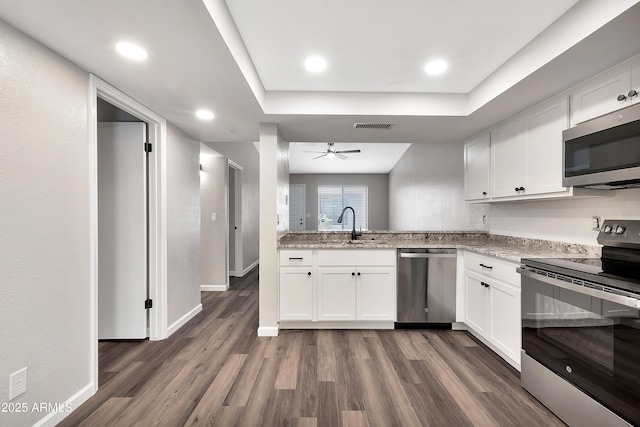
354	235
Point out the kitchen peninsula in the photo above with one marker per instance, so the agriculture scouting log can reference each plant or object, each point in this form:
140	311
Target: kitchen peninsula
330	281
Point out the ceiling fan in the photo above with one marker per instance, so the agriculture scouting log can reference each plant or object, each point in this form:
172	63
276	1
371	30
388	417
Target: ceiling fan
332	152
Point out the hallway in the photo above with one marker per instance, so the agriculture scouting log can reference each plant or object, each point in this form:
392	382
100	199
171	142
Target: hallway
216	371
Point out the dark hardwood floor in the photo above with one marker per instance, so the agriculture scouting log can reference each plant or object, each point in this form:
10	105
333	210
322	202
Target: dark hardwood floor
215	371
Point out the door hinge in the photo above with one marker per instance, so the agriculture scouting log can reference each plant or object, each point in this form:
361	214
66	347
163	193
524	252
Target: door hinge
148	303
148	147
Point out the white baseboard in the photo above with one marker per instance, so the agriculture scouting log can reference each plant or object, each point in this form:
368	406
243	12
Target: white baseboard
184	319
64	409
214	288
268	331
245	271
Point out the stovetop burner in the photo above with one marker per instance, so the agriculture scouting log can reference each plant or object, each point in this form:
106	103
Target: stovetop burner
619	265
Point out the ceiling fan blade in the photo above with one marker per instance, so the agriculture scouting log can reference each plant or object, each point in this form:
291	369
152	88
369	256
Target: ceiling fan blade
340	156
348	151
319	156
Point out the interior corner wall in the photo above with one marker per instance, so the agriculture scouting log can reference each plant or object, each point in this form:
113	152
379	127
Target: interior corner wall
246	155
183	225
45	295
213	232
377	195
426	191
274	220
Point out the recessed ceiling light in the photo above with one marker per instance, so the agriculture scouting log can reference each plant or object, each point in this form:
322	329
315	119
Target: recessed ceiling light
315	64
436	67
204	114
131	51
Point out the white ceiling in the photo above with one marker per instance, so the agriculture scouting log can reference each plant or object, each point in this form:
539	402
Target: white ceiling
373	158
382	46
249	71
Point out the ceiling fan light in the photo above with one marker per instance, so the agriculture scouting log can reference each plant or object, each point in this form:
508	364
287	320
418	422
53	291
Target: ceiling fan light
331	155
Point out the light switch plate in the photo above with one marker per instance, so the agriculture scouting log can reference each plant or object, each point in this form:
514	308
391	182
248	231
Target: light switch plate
214	216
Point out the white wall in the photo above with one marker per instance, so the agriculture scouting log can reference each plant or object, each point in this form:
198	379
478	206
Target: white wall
213	233
183	224
44	224
247	156
562	220
377	194
426	191
274	189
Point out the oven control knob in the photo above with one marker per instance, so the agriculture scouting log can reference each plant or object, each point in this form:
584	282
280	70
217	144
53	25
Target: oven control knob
607	229
620	229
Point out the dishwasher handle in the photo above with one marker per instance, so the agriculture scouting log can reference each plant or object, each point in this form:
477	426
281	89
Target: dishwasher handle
426	255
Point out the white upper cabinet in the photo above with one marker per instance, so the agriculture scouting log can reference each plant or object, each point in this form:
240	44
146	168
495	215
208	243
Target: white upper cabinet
608	92
543	128
508	159
477	154
526	153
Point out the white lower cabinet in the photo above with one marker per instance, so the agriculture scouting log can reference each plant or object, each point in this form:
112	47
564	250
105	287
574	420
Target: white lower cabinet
338	286
336	294
492	304
296	293
376	293
356	293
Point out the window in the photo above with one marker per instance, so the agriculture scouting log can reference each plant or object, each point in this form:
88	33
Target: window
332	199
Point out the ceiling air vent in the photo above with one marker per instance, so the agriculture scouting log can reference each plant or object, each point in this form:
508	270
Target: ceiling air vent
372	125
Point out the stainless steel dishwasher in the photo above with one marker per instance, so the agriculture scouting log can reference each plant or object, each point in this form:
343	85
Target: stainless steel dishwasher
426	287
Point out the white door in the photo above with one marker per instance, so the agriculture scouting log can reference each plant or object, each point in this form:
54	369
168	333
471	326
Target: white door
122	231
297	211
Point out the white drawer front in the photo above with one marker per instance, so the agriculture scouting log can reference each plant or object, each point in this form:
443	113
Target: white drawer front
296	257
357	257
492	267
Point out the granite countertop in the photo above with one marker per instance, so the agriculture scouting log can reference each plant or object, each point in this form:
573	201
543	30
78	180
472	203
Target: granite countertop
505	247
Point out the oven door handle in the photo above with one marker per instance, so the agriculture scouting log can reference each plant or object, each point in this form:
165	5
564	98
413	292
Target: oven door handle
618	299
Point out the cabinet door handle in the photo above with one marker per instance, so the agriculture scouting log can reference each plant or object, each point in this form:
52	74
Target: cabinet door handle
353	274
486	285
516	189
486	266
484	193
295	258
621	97
632	93
309	274
358	273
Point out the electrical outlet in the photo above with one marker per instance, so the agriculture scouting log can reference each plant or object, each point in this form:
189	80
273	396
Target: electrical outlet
17	383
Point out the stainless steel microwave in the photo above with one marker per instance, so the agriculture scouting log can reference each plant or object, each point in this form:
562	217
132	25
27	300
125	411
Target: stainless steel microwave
604	152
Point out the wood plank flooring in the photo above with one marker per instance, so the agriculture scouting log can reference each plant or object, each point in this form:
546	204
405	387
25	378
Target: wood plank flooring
215	371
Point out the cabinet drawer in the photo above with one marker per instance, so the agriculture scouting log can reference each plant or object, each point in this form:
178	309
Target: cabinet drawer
296	257
492	267
356	257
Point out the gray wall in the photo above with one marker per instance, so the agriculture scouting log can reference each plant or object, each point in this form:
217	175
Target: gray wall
44	224
378	195
247	156
213	233
183	224
426	191
45	291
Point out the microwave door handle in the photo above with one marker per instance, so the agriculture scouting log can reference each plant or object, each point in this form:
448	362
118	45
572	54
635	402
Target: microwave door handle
618	299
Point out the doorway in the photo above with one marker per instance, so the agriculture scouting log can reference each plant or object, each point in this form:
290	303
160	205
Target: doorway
297	207
156	212
234	215
122	225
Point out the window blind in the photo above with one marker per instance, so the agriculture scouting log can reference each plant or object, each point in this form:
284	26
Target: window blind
331	201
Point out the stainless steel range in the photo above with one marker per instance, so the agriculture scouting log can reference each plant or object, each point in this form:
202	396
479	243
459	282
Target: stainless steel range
581	331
